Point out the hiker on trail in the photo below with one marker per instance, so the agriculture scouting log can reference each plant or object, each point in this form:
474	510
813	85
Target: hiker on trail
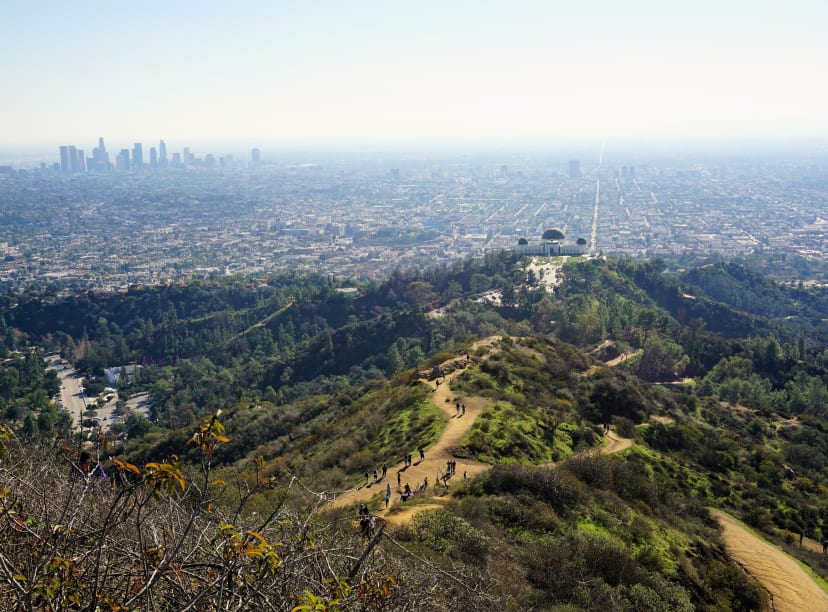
448	467
384	470
425	483
367	476
464	475
376	475
801	536
457	407
422	453
399	477
408	458
364	525
363	510
463	408
372	525
825	547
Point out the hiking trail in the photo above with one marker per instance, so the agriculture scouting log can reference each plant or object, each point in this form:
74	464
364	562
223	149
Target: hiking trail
790	586
436	456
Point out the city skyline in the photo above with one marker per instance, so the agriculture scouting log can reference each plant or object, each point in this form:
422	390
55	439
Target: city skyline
333	72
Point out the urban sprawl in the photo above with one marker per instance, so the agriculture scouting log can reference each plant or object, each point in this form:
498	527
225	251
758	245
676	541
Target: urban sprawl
88	222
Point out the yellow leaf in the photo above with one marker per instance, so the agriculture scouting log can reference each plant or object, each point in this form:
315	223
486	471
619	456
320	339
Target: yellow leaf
258	536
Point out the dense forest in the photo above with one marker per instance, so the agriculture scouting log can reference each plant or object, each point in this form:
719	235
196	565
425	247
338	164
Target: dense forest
719	374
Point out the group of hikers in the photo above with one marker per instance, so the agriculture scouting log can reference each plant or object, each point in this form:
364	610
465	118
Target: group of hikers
367	522
377	476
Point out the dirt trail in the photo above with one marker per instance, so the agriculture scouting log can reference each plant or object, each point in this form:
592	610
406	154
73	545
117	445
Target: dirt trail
436	456
615	443
622	358
792	589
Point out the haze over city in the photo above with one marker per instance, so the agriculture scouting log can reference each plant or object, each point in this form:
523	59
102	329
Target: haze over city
371	72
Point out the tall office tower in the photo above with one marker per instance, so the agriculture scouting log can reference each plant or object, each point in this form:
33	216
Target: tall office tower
162	154
186	158
66	155
153	157
255	157
122	161
100	158
137	155
79	163
574	168
176	160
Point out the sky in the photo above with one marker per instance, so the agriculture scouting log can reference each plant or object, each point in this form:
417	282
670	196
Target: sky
311	71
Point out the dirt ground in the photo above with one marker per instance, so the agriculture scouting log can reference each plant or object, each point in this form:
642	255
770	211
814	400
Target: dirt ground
790	586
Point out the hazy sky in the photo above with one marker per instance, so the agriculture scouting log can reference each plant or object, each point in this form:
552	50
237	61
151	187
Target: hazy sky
314	71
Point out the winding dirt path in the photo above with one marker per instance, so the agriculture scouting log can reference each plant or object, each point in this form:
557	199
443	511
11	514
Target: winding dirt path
615	443
792	589
438	454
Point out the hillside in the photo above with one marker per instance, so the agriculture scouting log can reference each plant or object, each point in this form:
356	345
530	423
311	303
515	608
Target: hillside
723	393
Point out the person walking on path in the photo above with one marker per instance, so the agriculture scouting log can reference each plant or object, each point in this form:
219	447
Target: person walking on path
384	470
399	478
422	453
387	494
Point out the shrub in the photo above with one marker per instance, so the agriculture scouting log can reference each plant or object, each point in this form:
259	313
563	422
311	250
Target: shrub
451	535
557	487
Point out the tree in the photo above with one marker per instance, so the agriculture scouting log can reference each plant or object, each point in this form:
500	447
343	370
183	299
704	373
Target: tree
662	359
136	425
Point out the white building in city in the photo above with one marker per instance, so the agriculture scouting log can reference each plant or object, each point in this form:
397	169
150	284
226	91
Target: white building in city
553	243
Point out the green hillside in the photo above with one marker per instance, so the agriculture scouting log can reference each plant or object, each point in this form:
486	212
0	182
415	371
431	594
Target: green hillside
719	375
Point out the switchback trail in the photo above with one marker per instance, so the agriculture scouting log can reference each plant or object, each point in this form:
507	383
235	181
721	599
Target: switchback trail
437	455
792	589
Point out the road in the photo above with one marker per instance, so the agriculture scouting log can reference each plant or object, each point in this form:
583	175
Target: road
594	234
73	399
